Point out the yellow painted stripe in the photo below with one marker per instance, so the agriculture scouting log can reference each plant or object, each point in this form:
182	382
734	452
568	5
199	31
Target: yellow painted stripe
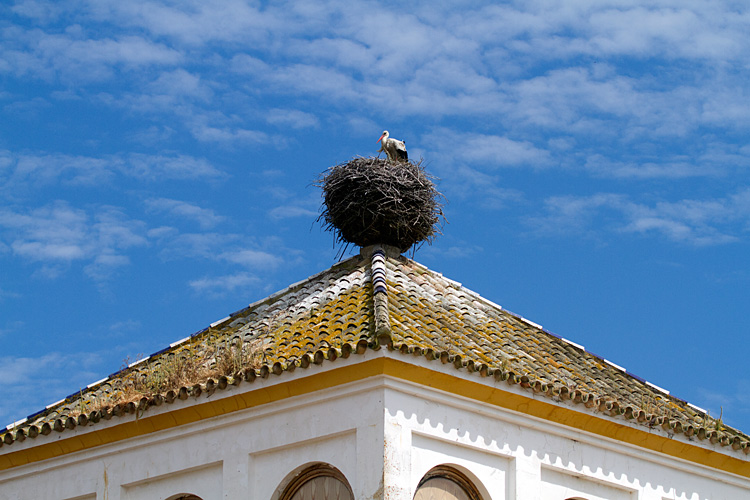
561	415
181	416
397	369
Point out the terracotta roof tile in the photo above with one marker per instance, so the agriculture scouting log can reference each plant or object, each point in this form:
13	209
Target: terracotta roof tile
368	300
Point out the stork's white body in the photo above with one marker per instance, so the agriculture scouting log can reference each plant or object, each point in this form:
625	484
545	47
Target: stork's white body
394	149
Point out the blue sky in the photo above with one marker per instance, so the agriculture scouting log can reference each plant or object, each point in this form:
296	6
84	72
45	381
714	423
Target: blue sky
156	162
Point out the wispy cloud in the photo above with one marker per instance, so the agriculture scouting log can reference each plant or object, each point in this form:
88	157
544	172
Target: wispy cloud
291	211
46	169
551	70
461	251
74	58
291	118
228	248
181	83
469	183
221	285
58	234
25	172
19	375
163	167
484	149
11	328
195	23
251	258
232	135
125	326
206	218
732	403
8	294
601	166
696	222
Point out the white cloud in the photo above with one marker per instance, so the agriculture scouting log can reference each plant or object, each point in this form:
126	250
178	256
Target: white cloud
206	218
469	183
125	326
16	371
104	265
58	234
181	83
691	221
75	59
601	166
334	51
227	248
555	30
486	150
695	222
228	135
189	245
153	135
12	328
605	106
291	117
463	251
251	258
330	84
163	167
732	403
246	64
27	172
193	23
674	31
556	77
39	10
7	294
537	74
162	232
45	169
570	214
290	211
221	285
725	104
20	381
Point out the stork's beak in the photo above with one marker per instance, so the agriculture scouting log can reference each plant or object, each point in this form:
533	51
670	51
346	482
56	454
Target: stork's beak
380	138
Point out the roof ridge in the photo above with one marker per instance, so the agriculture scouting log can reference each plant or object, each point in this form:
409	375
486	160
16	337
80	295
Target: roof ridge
380	296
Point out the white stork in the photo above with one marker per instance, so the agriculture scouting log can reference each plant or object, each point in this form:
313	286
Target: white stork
394	149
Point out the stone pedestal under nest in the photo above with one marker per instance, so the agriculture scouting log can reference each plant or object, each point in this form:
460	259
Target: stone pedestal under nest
369	201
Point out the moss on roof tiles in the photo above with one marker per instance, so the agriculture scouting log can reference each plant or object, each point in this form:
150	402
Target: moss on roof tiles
332	313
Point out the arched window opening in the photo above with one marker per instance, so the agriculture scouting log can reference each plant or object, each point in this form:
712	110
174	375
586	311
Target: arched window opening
318	482
446	483
185	496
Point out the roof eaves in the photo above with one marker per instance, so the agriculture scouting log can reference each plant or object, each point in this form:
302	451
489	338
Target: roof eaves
378	277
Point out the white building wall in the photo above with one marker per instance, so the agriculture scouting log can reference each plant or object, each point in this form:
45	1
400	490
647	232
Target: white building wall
514	456
383	434
239	456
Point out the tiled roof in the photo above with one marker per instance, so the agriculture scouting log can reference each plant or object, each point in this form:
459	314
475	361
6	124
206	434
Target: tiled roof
371	301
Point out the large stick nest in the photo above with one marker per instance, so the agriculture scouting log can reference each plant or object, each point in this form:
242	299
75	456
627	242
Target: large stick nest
372	200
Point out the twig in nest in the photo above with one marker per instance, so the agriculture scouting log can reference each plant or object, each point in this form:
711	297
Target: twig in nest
372	200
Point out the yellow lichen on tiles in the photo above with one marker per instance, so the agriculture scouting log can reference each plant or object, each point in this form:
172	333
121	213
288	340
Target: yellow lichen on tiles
348	314
315	319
